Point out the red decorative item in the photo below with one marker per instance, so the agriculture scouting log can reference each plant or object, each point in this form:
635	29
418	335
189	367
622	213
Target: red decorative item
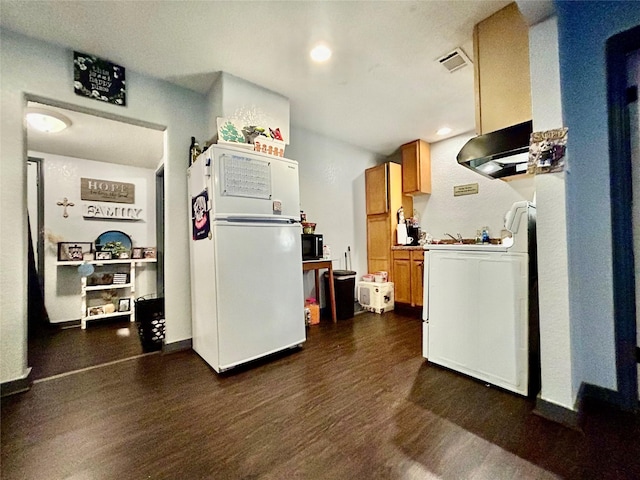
275	134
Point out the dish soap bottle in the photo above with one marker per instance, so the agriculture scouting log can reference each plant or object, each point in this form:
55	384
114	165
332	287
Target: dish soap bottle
485	234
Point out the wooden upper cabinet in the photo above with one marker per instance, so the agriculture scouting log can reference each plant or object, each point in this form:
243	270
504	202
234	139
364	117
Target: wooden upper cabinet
501	68
416	168
376	187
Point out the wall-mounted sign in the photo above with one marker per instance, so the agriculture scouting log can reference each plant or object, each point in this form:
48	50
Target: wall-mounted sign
468	189
107	191
109	212
547	151
100	79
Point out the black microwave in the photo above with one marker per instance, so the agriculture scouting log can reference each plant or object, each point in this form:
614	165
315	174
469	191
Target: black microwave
311	246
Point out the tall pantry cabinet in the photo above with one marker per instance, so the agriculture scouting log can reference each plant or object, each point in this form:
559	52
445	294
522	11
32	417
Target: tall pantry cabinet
383	186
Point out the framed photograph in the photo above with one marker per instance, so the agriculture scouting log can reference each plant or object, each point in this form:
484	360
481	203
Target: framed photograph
103	255
137	252
149	252
73	251
124	305
124	254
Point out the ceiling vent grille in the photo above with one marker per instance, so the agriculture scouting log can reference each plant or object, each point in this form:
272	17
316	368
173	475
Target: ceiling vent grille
454	60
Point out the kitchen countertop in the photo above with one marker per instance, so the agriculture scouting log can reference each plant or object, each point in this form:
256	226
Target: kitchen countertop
468	247
407	247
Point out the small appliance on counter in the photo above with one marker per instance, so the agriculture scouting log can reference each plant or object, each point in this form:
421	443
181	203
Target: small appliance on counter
312	246
413	235
407	230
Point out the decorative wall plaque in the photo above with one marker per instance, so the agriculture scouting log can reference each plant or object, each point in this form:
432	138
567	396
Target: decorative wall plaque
107	191
99	79
547	151
468	189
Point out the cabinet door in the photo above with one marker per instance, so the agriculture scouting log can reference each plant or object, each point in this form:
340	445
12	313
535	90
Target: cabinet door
410	168
378	243
502	78
402	280
376	182
416	168
417	278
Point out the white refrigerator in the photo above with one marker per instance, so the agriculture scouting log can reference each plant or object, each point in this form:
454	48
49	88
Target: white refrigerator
247	296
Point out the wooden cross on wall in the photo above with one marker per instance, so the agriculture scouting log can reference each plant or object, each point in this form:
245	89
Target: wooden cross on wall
65	203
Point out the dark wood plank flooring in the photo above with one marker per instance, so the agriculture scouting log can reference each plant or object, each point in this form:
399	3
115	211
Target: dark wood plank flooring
55	350
356	402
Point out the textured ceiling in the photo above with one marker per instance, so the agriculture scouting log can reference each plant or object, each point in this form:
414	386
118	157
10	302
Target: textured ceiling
382	87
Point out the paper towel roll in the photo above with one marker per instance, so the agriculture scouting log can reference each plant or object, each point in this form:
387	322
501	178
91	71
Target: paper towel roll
402	234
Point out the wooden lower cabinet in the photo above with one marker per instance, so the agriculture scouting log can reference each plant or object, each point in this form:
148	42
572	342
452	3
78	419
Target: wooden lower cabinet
417	277
408	276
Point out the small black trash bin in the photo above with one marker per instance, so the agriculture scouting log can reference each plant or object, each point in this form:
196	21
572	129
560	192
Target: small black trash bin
150	322
344	282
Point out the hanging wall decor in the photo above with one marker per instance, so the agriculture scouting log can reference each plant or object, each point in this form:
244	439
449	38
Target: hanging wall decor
73	251
65	203
547	151
107	191
99	79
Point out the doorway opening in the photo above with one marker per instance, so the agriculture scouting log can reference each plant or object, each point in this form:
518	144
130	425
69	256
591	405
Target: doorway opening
622	55
115	154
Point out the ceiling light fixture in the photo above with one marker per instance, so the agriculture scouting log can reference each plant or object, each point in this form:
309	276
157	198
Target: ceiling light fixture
320	53
443	131
47	121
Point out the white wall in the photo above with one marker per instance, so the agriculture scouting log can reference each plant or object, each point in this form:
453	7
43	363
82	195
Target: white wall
45	72
553	278
442	213
583	31
62	177
332	195
236	98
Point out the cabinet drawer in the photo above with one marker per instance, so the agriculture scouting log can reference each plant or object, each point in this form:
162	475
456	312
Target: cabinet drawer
402	254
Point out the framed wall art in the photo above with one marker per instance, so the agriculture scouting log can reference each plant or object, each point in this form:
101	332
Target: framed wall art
124	305
73	251
103	255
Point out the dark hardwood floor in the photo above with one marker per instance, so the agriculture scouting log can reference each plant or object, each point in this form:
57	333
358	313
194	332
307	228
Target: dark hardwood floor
356	402
55	350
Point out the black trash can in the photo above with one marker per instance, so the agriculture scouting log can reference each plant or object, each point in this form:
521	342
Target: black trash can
344	282
150	322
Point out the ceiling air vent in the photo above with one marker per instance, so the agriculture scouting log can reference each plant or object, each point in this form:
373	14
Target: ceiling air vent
454	60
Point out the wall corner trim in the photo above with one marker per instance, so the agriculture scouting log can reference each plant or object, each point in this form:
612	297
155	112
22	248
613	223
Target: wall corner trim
178	346
13	387
556	413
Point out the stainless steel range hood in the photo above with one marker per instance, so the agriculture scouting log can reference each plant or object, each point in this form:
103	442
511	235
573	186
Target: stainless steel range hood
498	154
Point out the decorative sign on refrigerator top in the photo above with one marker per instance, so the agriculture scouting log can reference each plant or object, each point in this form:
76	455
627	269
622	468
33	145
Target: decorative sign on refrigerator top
245	177
99	79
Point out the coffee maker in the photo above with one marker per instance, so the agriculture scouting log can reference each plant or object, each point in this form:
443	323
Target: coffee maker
413	234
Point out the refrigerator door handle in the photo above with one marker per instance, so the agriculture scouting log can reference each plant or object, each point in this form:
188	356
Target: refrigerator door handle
256	219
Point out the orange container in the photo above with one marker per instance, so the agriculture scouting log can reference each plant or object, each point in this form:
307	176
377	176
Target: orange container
314	310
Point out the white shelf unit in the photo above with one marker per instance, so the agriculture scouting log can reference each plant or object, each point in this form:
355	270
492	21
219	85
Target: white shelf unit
129	287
